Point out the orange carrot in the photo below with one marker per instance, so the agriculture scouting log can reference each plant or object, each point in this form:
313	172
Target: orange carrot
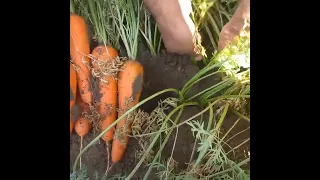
82	128
107	90
83	106
130	81
79	50
73	92
73	86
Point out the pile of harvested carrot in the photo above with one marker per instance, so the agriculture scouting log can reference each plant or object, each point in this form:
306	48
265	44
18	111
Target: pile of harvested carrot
123	87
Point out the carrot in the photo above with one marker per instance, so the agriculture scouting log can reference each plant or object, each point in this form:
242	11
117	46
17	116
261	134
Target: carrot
79	50
73	86
107	90
83	106
82	128
130	81
73	92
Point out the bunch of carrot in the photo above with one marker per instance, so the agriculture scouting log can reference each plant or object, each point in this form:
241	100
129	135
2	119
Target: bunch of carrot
125	88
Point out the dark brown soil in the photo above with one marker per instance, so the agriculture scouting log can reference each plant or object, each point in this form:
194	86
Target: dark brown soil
161	72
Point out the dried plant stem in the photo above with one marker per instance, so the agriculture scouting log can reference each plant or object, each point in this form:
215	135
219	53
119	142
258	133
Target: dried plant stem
119	119
81	139
238	145
173	147
193	150
108	158
181	107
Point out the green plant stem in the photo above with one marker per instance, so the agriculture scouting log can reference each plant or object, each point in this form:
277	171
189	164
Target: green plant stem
149	30
233	89
223	11
214	24
157	136
150	36
146	33
122	32
196	115
152	51
128	24
216	86
213	42
187	89
228	97
95	11
162	146
218	21
159	44
204	98
102	31
240	115
119	119
146	24
155	37
210	117
71	6
93	14
204	151
219	11
230	169
202	72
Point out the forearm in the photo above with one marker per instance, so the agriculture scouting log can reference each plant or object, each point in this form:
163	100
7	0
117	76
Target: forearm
235	25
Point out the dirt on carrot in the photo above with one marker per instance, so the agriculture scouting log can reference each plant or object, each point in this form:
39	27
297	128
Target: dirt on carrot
136	86
130	80
104	59
73	92
79	51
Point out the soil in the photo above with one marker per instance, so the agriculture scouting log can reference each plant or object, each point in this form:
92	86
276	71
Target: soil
161	72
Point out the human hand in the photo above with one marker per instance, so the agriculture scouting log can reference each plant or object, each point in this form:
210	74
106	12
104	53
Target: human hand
176	27
235	25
